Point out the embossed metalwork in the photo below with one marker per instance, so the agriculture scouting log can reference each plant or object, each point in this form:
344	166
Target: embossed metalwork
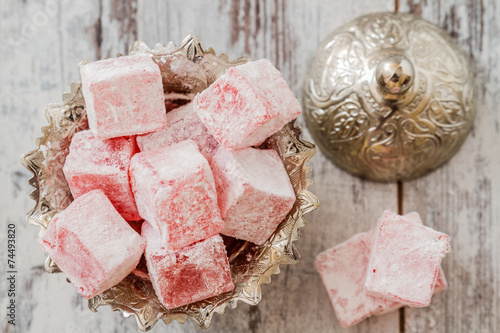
251	265
379	133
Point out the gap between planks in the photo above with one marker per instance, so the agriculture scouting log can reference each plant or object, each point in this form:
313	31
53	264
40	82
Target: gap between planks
400	196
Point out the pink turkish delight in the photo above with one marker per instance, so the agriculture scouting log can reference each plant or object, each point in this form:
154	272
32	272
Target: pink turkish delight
102	164
343	270
441	283
247	105
183	124
405	261
92	244
123	96
254	191
414	217
175	191
186	275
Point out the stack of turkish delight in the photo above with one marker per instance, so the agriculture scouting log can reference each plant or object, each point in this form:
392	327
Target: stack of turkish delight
187	176
379	271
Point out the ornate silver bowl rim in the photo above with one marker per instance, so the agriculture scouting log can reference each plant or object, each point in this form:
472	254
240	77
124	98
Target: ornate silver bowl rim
251	265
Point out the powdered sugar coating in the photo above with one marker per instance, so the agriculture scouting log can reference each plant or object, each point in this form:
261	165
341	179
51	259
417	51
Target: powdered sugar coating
175	192
102	164
183	124
441	283
343	270
186	275
123	96
254	192
247	105
92	244
405	261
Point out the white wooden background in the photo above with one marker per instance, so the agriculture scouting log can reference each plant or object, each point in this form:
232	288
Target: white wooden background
41	43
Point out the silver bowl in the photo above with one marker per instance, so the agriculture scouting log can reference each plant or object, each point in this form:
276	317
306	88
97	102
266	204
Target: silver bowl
251	265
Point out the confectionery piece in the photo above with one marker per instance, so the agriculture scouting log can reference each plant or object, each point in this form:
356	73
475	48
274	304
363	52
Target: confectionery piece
175	192
413	217
343	271
186	275
102	164
405	261
247	105
441	283
183	124
254	192
92	244
123	96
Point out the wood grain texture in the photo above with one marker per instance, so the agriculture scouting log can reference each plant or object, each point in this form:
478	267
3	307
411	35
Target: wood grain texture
462	197
41	43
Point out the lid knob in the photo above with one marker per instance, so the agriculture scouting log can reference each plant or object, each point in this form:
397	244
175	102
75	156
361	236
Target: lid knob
395	74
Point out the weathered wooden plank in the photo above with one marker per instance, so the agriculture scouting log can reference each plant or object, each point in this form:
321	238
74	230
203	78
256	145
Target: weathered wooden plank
29	36
462	197
44	43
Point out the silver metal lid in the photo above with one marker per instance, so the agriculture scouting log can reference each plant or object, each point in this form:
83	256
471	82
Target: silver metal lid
389	97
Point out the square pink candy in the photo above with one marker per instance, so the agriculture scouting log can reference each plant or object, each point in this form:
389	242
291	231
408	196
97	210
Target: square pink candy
102	164
175	192
123	96
247	105
254	191
186	275
183	124
343	272
414	217
405	261
92	244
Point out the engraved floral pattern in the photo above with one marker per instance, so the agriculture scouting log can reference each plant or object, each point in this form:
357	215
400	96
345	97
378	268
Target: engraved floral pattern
251	265
370	137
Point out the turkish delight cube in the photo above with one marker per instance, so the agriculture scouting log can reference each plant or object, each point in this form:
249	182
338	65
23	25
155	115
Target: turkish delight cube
414	217
246	105
123	96
405	261
183	124
175	192
343	271
254	192
189	274
102	164
92	244
441	283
